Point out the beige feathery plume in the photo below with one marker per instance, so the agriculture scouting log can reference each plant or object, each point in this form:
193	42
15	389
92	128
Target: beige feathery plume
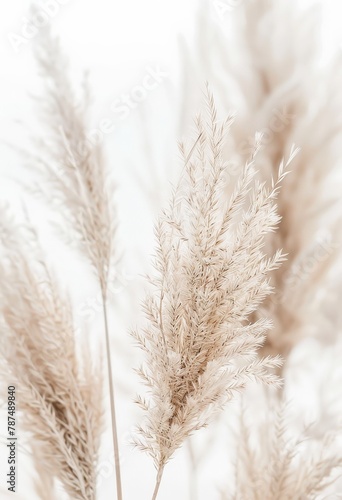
278	82
294	100
276	463
44	483
75	173
58	388
76	178
212	272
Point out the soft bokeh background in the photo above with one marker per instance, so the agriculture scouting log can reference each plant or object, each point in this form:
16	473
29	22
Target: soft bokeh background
120	43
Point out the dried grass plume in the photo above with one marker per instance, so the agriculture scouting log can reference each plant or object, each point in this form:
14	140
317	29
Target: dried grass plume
58	384
211	274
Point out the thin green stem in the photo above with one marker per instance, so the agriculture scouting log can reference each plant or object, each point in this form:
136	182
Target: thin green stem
112	402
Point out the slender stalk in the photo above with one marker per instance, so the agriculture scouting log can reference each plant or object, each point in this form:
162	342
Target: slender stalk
158	480
112	402
193	472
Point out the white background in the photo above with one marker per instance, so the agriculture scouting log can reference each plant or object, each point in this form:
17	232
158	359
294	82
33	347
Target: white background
117	42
